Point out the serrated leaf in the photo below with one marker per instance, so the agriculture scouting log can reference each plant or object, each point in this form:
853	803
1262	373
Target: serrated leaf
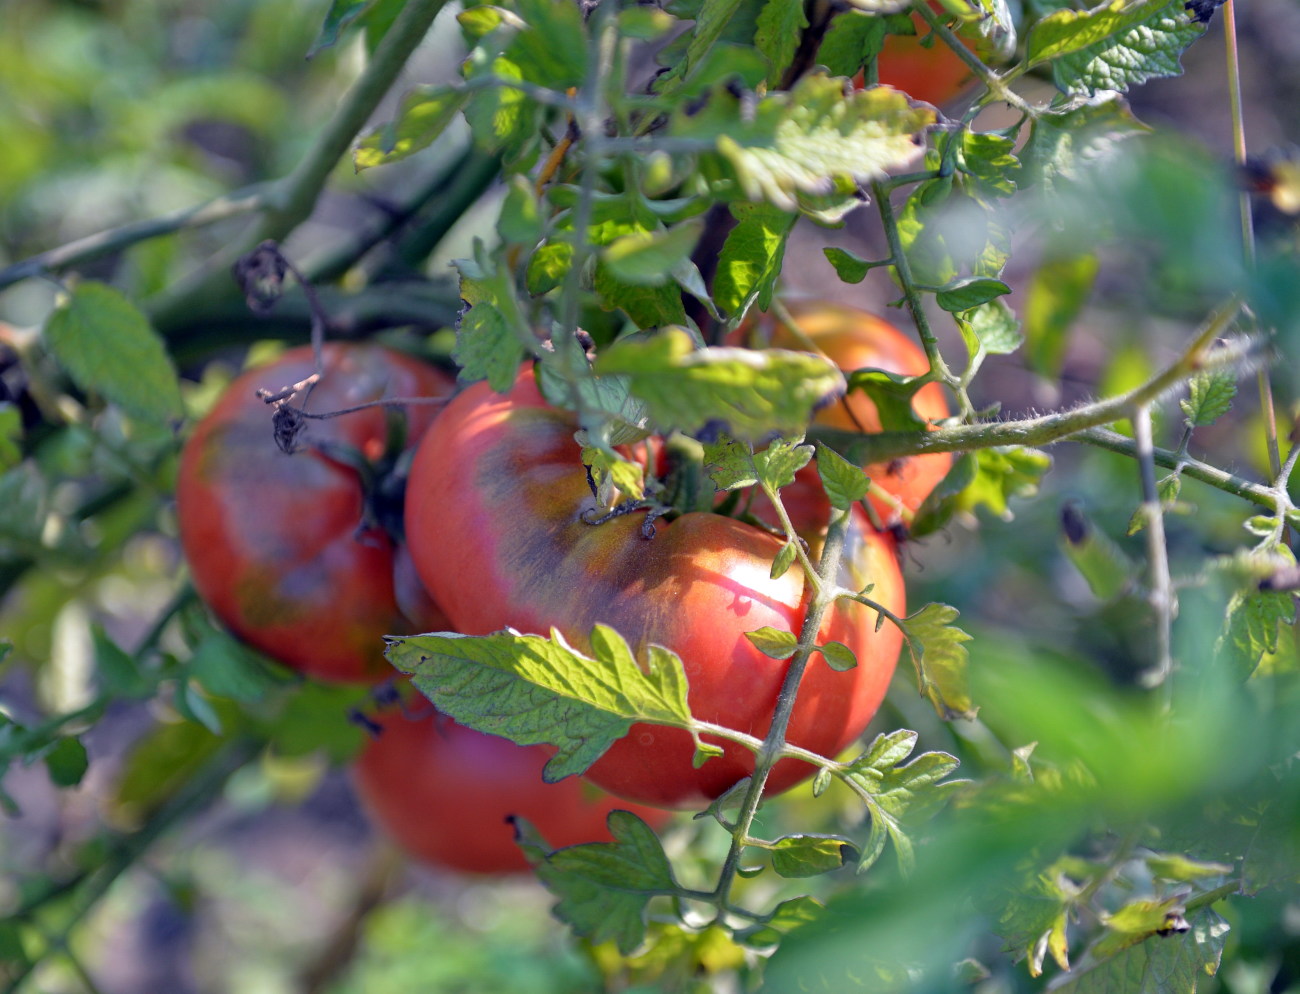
1209	397
1115	46
898	797
615	477
551	51
649	258
422	117
533	690
811	141
780	26
939	654
947	235
991	329
1056	295
780	461
747	394
892	394
1162	964
1002	473
838	656
751	257
809	855
645	306
489	345
848	266
604	887
844	482
989	159
788	915
1167	489
67	762
773	642
962	295
108	347
711	22
1063	146
853	39
1252	627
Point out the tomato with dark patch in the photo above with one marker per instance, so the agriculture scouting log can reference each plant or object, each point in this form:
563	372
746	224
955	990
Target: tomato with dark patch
856	339
277	544
494	517
445	793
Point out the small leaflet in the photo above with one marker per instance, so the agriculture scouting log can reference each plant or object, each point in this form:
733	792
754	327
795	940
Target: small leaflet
604	888
810	855
939	654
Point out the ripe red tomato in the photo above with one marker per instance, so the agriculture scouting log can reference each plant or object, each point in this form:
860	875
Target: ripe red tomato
275	542
934	74
443	792
855	339
494	521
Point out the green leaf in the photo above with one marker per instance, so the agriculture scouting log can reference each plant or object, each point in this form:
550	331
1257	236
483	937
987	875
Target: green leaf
107	346
158	763
711	22
1000	474
962	295
989	160
892	395
340	15
751	257
228	668
838	656
531	689
939	654
604	888
1107	569
948	234
848	266
784	560
1063	147
645	306
649	258
1115	46
993	328
1057	293
1209	397
1035	917
502	119
551	51
780	26
1161	964
520	220
1175	866
1167	489
812	141
67	762
318	718
489	342
1252	627
11	436
548	267
780	461
118	671
845	483
423	115
744	393
854	38
898	797
773	642
810	855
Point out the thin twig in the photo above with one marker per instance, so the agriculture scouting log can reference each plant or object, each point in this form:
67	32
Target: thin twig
1161	593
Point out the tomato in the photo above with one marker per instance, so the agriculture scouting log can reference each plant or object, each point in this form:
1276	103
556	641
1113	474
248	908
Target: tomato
934	74
444	792
494	520
275	542
855	339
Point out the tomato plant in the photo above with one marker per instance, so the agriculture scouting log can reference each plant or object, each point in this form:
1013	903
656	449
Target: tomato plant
446	793
855	339
495	520
284	547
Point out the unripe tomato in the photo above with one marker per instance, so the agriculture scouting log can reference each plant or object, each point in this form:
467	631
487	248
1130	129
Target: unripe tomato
444	792
934	74
276	543
494	519
855	339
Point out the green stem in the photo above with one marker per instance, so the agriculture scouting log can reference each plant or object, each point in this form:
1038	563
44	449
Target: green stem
1161	594
996	84
774	742
881	447
245	201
